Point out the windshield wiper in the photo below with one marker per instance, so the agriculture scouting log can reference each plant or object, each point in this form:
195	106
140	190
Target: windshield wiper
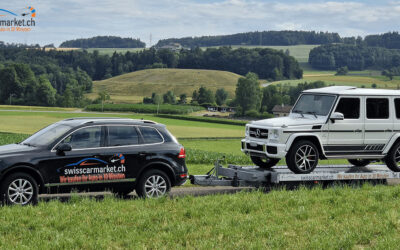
299	112
312	113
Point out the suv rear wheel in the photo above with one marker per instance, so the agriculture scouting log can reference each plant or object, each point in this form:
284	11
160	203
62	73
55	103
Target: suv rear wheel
359	162
302	157
393	158
153	184
19	189
264	162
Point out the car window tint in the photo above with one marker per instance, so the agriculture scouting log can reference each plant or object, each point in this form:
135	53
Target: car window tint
377	108
397	107
349	107
85	138
150	135
122	135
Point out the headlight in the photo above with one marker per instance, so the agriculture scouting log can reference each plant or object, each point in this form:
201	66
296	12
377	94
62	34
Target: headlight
275	133
246	131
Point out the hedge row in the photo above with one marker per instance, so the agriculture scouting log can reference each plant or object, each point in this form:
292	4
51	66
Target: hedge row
204	119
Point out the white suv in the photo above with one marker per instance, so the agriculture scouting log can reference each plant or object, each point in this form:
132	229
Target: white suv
361	125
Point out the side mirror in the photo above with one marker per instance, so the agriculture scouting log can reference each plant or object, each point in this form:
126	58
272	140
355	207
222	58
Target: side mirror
336	116
63	147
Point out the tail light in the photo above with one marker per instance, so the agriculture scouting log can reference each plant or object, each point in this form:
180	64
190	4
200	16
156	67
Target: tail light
182	153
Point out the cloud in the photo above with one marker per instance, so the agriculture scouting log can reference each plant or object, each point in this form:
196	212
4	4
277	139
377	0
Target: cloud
61	20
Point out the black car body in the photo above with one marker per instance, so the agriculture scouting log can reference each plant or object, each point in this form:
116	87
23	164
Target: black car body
94	154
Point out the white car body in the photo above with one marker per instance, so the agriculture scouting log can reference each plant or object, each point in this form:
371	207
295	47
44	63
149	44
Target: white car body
354	138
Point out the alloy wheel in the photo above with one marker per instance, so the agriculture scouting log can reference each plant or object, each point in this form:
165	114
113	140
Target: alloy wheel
155	186
20	191
305	157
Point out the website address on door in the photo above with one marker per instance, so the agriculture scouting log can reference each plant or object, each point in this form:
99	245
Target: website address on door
96	170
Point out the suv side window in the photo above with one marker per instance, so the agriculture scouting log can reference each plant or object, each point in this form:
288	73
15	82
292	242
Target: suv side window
150	135
122	135
377	108
89	137
397	107
349	107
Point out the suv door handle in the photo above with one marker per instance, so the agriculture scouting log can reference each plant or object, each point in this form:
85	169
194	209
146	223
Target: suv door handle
142	153
96	156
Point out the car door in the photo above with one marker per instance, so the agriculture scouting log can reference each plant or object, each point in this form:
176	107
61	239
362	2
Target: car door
83	165
346	136
378	123
122	152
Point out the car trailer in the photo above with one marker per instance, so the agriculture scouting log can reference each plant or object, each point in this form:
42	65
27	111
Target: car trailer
251	176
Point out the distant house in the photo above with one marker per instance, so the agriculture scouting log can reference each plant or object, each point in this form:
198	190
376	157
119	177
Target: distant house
220	109
281	110
172	46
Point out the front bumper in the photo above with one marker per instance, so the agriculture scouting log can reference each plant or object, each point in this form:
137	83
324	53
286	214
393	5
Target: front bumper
264	148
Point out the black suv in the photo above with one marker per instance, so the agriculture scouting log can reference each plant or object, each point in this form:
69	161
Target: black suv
92	154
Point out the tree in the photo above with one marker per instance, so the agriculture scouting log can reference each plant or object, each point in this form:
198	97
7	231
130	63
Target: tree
103	96
169	97
248	94
182	99
156	98
388	73
342	71
46	94
220	96
205	96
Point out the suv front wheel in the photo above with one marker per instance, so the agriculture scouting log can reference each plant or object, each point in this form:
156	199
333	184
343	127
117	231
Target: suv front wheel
264	162
302	157
393	158
19	189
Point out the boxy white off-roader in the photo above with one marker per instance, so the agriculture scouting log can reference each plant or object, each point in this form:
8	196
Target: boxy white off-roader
361	125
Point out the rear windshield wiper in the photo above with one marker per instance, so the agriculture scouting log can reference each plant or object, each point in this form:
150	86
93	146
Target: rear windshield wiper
312	113
299	112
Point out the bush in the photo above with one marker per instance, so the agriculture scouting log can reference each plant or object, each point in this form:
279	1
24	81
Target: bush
204	119
252	113
145	108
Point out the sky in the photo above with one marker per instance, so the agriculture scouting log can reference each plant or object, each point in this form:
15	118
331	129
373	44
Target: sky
61	20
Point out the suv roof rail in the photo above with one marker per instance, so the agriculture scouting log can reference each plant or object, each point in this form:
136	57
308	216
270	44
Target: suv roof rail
109	118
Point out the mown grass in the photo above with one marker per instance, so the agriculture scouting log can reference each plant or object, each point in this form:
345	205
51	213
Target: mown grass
30	122
340	218
134	86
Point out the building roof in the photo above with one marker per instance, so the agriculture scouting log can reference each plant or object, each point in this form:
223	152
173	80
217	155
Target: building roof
349	90
282	108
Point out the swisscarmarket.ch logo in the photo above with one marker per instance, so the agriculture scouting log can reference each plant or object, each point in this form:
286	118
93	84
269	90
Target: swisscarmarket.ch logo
22	21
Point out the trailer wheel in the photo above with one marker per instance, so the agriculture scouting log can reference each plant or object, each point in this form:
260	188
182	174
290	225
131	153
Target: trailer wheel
302	157
359	162
264	162
393	158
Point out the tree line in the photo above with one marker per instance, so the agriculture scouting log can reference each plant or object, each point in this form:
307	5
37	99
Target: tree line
285	37
354	57
103	42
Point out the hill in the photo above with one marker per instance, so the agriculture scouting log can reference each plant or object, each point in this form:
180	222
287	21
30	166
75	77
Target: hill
132	87
103	42
284	37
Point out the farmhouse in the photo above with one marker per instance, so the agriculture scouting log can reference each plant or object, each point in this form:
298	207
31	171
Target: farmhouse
281	110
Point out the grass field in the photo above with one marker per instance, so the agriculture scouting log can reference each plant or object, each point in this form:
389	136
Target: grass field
340	218
132	87
30	122
35	108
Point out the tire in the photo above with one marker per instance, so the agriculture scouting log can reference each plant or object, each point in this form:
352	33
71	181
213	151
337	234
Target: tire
264	162
393	158
153	184
19	189
359	162
302	157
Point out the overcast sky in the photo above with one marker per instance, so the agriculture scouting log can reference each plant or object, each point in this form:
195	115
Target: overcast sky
62	20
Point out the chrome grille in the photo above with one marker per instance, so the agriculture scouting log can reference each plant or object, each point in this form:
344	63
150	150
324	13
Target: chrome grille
260	133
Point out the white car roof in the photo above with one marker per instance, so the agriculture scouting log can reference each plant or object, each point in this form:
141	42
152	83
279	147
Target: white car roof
349	90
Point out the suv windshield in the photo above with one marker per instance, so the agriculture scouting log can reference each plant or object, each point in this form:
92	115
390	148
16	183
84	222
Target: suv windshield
314	104
47	135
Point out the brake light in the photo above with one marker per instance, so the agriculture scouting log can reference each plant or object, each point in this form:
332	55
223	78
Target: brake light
182	153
